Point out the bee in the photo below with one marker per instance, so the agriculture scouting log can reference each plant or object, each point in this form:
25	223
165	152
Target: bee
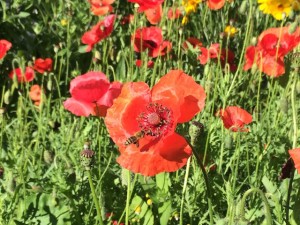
135	138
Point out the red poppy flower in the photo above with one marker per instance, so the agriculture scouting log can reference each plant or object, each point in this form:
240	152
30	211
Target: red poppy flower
295	154
101	7
35	94
213	52
92	93
154	15
127	19
4	47
273	44
99	32
23	77
142	122
174	13
150	38
42	65
139	63
215	4
235	118
146	4
195	42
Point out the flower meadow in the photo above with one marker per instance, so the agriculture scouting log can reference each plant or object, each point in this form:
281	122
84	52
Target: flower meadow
150	112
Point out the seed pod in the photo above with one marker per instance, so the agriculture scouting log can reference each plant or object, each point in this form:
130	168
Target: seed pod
284	105
86	156
49	84
228	142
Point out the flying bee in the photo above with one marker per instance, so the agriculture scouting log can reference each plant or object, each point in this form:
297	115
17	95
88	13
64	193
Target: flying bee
135	138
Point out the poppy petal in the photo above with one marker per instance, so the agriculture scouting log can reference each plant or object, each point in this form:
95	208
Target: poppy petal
180	92
78	108
121	118
295	154
170	154
89	87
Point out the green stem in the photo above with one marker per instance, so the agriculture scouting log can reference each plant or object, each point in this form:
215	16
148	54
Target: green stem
208	191
96	202
128	197
265	200
184	189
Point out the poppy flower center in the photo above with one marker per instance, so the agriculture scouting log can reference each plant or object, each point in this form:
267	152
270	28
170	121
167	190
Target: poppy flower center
157	120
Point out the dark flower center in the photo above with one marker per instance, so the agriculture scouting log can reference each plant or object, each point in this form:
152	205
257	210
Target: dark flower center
156	121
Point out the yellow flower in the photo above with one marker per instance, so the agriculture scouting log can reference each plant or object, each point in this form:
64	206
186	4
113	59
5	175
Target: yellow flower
138	210
189	7
230	31
64	22
277	8
149	202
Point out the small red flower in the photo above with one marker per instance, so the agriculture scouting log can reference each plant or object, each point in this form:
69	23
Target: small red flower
151	38
42	65
195	42
213	52
35	94
147	4
4	47
92	94
295	154
235	118
139	63
215	4
154	15
23	77
101	7
127	19
142	122
98	32
273	44
174	13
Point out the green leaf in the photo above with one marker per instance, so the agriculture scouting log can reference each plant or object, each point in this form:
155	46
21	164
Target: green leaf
165	212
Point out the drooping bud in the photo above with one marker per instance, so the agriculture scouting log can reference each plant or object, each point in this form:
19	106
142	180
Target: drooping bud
243	7
48	156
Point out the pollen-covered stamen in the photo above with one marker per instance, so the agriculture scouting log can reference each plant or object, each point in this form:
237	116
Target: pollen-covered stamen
156	121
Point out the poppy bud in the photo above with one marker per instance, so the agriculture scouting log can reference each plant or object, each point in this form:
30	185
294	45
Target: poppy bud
254	41
48	156
196	130
228	142
6	97
291	14
284	105
206	70
86	156
298	87
124	177
49	84
293	27
254	68
1	172
243	7
11	184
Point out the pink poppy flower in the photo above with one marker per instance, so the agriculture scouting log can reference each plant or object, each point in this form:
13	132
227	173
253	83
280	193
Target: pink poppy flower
98	32
42	65
235	118
92	94
174	13
22	77
4	47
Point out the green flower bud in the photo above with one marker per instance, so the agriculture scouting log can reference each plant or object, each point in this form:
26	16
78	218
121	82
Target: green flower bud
196	131
86	156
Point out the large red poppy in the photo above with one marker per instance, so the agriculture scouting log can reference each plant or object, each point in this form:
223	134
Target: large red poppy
295	154
142	122
151	38
92	93
235	118
147	4
98	32
22	77
4	47
273	44
42	65
101	7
